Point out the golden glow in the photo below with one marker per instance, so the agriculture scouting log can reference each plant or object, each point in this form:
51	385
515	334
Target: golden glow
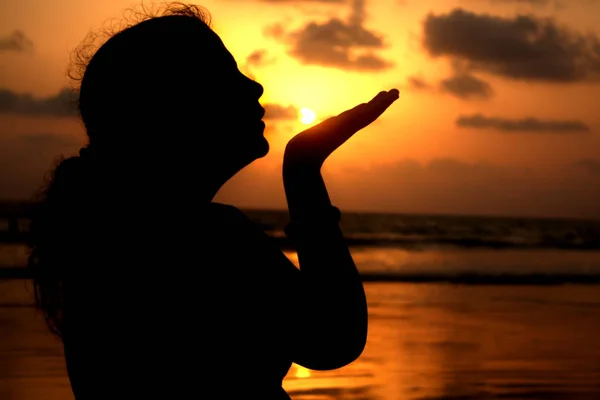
307	116
302	372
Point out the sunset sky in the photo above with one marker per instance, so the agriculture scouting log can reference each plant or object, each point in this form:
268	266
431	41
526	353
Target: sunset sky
499	111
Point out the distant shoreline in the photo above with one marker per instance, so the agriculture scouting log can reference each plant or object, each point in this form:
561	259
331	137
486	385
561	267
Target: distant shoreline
411	232
457	279
13	208
16	238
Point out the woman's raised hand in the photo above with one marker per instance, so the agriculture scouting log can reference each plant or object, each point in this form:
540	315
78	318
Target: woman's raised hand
311	147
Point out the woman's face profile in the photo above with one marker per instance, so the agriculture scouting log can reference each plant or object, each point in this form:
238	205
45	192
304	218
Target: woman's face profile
233	107
170	86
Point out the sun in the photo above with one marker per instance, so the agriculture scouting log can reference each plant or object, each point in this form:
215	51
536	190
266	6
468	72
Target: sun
307	116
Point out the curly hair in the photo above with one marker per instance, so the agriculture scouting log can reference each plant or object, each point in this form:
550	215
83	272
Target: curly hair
81	56
55	216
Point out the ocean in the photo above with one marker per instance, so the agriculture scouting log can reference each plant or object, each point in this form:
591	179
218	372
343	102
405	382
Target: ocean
460	308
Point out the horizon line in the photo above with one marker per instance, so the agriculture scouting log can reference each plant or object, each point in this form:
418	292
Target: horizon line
23	203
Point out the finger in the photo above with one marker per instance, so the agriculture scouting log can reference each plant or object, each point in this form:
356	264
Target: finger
381	96
362	108
353	120
345	125
382	99
367	114
381	102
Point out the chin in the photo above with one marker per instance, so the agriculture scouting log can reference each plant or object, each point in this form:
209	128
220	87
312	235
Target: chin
263	144
262	148
254	144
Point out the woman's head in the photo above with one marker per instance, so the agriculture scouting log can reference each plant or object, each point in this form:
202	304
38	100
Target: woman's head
168	86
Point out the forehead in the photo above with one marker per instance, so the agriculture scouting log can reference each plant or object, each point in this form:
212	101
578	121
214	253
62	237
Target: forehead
219	50
191	36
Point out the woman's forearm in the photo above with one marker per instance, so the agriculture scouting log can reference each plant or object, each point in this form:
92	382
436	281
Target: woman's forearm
336	303
321	247
306	193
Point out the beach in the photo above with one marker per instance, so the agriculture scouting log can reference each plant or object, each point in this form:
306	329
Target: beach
426	341
448	319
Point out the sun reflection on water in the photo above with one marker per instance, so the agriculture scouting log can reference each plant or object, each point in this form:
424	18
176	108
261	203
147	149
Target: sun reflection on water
301	372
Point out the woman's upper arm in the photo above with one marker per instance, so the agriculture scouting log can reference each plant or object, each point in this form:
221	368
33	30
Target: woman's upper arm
262	253
312	337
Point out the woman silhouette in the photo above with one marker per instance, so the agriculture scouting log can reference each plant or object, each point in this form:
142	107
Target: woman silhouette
146	307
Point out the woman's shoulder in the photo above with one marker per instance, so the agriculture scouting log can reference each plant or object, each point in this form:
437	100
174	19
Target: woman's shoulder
233	222
226	213
224	208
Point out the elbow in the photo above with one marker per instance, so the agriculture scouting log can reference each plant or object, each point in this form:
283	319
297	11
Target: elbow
330	335
332	352
337	358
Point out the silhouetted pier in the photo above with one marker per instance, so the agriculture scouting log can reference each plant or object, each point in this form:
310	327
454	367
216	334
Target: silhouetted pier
14	221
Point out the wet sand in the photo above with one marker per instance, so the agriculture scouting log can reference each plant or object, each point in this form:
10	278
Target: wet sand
426	341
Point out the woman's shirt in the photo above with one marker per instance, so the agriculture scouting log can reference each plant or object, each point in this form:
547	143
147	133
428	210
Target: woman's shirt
179	305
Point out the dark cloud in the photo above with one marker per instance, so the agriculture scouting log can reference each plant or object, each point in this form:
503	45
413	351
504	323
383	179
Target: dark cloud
63	104
523	47
461	84
466	86
48	140
259	58
335	43
590	165
16	41
543	3
417	83
443	185
279	112
449	185
520	125
256	57
26	159
528	2
302	1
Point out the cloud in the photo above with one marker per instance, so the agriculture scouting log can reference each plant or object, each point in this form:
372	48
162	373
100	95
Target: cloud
27	158
543	3
256	57
279	112
590	165
520	125
528	2
441	185
523	47
418	83
449	185
63	104
335	43
302	1
463	85
48	140
16	41
466	86
259	58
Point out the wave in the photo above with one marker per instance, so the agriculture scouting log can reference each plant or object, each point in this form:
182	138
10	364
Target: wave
460	278
415	231
416	243
412	243
412	231
468	278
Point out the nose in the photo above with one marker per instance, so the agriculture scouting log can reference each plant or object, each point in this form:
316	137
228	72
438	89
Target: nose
254	87
259	89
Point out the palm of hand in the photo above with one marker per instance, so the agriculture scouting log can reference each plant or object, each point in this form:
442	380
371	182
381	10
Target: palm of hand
312	146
